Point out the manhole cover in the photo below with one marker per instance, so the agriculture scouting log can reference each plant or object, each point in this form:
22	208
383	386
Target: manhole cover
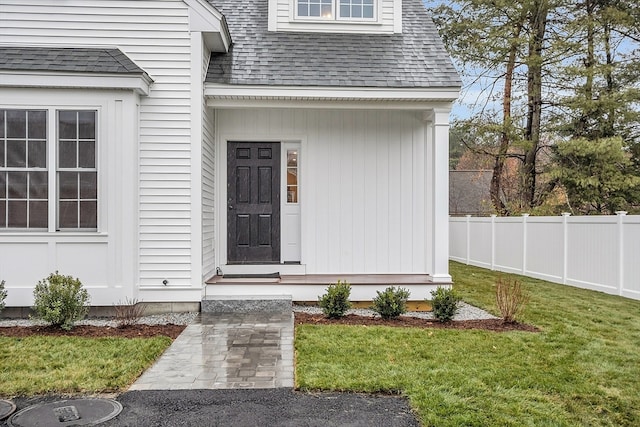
74	412
6	409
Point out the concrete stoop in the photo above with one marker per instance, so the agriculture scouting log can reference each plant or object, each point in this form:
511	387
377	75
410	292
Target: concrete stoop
247	304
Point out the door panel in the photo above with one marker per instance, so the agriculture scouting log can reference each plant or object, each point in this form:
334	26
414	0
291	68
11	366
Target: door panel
253	190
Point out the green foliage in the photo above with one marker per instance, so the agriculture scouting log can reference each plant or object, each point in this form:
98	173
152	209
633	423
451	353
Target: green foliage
391	303
60	300
39	365
506	51
581	369
3	295
596	175
445	303
335	302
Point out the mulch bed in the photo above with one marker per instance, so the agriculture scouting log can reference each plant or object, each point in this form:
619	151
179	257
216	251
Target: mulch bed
172	331
497	325
134	331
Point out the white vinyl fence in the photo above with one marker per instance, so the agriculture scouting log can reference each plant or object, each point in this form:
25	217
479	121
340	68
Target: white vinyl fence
593	252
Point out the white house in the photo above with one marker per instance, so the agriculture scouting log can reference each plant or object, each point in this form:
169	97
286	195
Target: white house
172	150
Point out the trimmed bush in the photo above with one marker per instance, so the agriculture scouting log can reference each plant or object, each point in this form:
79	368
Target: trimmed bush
445	303
335	302
3	295
391	303
510	299
60	300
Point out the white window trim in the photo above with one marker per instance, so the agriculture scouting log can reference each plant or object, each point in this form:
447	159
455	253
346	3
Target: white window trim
52	167
336	18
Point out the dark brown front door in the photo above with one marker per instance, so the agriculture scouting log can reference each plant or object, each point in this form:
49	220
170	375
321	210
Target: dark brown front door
253	192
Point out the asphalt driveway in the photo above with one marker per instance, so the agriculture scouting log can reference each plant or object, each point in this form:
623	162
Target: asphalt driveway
264	407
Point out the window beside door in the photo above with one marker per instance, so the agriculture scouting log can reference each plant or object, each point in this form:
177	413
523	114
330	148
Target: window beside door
292	176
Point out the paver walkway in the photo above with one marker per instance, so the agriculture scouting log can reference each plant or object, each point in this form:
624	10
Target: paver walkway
226	351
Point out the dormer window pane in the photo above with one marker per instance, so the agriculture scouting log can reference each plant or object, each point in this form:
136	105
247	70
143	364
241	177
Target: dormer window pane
356	9
315	8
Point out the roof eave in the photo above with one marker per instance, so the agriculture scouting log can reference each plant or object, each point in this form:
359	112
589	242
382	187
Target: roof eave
139	83
221	96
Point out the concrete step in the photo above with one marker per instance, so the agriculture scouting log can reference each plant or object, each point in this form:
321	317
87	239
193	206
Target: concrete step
247	304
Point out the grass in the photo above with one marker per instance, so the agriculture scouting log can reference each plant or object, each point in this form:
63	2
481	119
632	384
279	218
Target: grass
41	364
582	369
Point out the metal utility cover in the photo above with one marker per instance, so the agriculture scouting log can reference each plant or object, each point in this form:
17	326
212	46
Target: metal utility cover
74	412
6	408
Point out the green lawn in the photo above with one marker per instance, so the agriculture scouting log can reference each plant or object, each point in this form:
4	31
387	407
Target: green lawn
41	364
583	369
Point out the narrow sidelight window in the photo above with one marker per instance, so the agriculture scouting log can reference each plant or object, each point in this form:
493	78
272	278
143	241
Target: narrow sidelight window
292	176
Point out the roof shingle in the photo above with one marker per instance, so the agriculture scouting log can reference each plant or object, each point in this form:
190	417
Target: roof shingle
414	59
80	60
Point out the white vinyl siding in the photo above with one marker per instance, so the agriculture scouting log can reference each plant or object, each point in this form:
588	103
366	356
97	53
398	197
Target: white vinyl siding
104	260
283	17
208	185
363	173
155	35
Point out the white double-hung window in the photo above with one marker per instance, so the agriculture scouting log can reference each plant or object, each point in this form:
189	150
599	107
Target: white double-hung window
28	173
336	9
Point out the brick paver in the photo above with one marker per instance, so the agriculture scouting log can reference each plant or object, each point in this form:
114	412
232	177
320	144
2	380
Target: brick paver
225	351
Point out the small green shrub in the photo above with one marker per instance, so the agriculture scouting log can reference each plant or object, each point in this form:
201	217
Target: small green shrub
391	303
3	295
60	300
335	302
445	303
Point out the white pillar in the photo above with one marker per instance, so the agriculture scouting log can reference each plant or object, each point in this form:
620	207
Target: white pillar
621	215
524	243
493	241
468	235
437	163
565	246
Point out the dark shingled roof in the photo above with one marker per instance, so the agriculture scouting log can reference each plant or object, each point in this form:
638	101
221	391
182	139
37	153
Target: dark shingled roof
80	60
414	59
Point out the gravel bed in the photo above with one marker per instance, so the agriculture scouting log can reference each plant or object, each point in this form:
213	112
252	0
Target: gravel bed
465	312
156	319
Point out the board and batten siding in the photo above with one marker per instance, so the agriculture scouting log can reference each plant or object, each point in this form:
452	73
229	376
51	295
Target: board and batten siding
155	35
362	184
389	19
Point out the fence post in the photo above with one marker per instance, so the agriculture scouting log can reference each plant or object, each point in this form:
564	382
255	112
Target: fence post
493	242
524	243
468	238
621	215
565	245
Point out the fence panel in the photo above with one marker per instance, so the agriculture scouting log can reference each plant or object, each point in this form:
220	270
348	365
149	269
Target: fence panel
509	244
631	259
593	252
480	242
545	248
458	239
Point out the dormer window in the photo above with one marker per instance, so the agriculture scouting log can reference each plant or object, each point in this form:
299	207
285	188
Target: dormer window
336	9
